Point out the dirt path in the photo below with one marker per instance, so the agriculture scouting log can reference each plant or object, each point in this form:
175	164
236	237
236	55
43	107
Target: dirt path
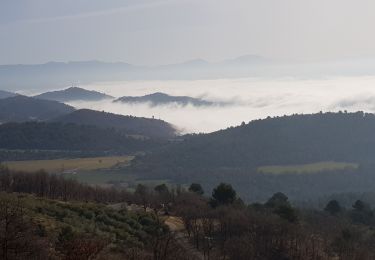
177	227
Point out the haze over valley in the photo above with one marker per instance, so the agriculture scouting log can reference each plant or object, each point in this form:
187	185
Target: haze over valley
232	101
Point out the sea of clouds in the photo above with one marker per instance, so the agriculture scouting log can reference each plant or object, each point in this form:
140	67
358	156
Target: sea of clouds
249	98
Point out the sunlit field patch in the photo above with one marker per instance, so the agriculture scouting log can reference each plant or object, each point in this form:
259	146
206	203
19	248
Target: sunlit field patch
307	168
69	165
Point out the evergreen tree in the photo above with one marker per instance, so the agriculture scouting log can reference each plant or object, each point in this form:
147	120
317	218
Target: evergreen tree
223	194
196	188
333	207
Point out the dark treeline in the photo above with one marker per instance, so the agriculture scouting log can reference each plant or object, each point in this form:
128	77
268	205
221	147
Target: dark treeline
256	186
58	136
346	200
53	186
24	155
221	226
147	127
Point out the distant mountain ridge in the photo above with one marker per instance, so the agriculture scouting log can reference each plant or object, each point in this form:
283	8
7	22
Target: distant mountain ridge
159	98
61	74
147	127
73	94
21	108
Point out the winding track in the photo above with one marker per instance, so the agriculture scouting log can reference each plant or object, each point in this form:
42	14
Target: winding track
177	228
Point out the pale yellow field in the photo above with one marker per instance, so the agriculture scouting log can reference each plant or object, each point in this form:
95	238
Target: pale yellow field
307	168
69	165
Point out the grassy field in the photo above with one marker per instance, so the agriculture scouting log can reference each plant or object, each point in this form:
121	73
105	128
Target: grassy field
69	165
307	168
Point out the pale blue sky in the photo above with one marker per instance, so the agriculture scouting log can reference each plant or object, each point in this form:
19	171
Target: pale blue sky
150	32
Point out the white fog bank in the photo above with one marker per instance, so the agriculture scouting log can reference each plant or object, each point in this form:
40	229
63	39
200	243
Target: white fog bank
251	98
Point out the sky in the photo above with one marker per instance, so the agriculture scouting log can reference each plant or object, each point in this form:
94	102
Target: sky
152	32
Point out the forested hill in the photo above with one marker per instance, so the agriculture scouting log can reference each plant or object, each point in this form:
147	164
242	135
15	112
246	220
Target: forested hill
128	124
69	137
73	94
295	139
21	108
158	99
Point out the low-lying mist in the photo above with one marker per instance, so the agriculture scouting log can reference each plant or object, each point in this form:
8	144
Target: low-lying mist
250	98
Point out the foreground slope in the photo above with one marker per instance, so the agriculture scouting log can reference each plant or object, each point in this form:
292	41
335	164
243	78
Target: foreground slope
131	125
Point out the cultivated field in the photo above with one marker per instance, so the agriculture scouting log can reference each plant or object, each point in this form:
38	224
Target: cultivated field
69	165
307	168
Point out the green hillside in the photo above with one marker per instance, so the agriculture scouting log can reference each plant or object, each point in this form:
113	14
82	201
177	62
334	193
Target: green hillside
235	154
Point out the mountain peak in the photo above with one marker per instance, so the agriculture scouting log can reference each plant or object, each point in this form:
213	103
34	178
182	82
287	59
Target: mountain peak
74	94
160	98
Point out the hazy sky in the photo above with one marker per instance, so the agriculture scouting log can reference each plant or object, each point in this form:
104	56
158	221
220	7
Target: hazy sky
150	32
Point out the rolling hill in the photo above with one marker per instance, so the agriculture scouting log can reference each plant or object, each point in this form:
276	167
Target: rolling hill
73	94
284	140
147	127
235	154
69	137
158	98
21	108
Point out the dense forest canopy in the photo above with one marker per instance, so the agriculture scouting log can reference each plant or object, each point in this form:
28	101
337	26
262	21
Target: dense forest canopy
147	127
295	139
234	155
71	137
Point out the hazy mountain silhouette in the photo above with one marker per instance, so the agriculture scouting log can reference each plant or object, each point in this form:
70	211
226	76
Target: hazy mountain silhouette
61	74
158	98
73	94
